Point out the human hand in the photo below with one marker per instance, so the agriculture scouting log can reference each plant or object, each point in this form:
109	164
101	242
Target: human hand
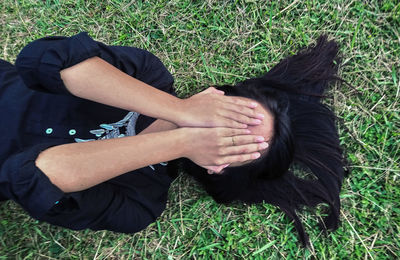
210	108
216	148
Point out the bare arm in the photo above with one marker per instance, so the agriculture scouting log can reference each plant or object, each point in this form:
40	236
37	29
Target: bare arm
158	126
99	81
78	166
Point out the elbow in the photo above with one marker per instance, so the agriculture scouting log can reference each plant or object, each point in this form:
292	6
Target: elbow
56	174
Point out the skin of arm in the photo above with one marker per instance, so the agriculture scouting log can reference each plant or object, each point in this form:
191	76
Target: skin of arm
93	78
158	126
78	166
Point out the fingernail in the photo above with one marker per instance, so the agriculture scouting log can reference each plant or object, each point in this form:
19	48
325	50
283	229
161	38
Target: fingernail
253	104
248	131
257	121
264	145
260	116
224	166
260	138
256	155
243	126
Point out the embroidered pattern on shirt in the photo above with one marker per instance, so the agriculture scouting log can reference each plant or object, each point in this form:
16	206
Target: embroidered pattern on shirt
122	128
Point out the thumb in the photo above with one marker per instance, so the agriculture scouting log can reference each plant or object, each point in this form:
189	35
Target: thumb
212	90
215	169
217	91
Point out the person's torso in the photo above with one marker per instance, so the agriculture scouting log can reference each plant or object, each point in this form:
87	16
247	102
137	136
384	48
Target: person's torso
30	117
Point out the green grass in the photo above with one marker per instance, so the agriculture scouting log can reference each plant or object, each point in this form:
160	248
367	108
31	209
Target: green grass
216	42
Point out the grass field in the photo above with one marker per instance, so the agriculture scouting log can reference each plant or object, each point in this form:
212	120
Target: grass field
214	42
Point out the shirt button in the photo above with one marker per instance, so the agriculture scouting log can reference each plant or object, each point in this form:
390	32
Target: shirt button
49	130
72	132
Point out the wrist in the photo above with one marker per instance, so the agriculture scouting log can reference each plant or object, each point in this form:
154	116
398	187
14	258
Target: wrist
183	140
176	111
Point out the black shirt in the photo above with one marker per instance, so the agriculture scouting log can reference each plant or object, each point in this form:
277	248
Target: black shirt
37	112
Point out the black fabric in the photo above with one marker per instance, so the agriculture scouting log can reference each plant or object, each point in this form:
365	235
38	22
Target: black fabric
23	182
33	99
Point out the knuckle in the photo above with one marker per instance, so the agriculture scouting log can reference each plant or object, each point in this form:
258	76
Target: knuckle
240	132
248	120
243	118
247	111
244	149
254	147
220	142
241	158
237	140
233	124
219	132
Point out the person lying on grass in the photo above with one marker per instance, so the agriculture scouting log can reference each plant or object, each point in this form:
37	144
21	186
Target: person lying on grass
89	129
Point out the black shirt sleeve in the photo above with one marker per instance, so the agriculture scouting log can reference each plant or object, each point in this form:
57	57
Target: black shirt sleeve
23	182
127	203
40	62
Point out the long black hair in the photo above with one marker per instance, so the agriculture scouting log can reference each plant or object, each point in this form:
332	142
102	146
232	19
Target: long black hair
305	134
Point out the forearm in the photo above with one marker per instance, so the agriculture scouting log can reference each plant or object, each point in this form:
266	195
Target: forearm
78	166
158	126
95	79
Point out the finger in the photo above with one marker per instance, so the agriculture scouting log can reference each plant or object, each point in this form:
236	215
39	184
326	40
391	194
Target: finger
228	132
241	158
216	169
243	149
212	90
216	91
242	140
230	123
206	91
249	112
240	118
240	101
